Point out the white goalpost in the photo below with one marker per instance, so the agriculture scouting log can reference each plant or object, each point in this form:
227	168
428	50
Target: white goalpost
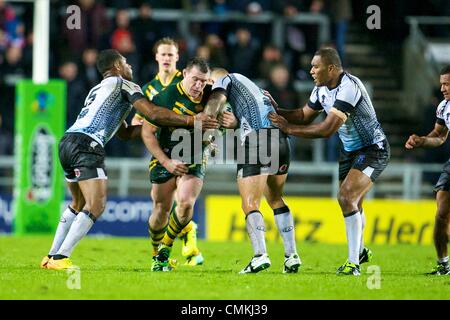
41	34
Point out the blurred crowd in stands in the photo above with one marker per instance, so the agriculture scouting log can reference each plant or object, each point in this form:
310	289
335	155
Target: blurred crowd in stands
240	47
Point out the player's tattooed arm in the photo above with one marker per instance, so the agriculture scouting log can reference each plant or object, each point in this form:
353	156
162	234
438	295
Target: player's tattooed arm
433	140
127	132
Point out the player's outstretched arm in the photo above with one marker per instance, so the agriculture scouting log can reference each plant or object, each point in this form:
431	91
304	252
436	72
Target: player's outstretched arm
304	115
127	132
324	129
433	140
166	117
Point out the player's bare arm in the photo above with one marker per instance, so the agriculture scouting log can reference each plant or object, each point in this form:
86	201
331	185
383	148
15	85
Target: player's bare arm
166	117
127	132
433	140
304	115
215	103
324	129
148	134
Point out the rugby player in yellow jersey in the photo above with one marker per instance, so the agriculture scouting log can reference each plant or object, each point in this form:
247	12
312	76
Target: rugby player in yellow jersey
166	54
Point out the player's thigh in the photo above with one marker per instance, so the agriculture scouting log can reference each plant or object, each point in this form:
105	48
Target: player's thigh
164	192
355	185
188	188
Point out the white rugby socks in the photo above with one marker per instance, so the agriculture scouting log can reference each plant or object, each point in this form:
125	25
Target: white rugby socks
285	225
363	224
257	232
63	228
80	227
353	230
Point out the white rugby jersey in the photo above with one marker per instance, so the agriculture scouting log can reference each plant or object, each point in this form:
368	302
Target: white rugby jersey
443	113
105	108
250	106
361	129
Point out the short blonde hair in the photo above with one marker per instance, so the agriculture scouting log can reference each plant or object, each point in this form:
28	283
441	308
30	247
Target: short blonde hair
165	40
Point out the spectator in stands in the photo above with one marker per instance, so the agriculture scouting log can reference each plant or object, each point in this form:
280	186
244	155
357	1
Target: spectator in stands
11	71
216	47
8	19
122	40
76	90
219	8
204	53
271	56
281	87
283	91
243	53
94	23
6	139
88	71
289	8
340	12
145	32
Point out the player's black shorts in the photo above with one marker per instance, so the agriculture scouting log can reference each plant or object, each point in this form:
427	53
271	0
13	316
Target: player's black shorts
81	157
370	160
257	156
443	183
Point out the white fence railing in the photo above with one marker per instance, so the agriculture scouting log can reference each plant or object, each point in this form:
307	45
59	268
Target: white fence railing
129	177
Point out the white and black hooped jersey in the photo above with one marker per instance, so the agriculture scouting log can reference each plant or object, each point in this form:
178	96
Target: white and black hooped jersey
361	129
443	113
105	108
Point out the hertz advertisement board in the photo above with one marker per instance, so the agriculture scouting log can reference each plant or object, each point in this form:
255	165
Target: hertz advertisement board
320	220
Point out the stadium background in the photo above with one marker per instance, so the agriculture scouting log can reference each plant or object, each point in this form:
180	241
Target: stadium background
272	42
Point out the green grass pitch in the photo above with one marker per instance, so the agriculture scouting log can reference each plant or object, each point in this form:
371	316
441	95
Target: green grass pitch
119	268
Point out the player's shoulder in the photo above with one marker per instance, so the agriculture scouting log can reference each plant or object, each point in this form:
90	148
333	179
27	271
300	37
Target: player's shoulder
178	77
348	80
443	104
441	108
129	85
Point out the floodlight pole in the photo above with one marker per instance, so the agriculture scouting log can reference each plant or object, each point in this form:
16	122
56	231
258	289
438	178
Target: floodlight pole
41	26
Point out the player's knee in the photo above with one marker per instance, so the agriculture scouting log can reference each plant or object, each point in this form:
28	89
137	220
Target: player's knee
185	206
160	207
247	207
96	207
77	205
346	201
442	215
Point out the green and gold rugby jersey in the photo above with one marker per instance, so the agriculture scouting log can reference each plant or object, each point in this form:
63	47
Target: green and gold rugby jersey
175	98
155	86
